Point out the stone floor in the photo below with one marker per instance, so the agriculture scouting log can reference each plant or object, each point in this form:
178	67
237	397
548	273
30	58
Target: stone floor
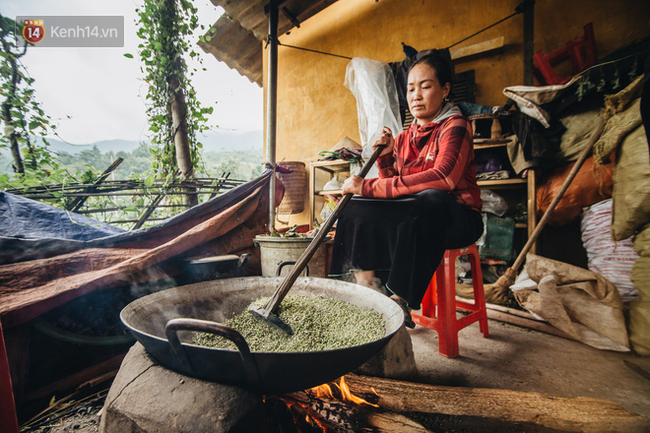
519	359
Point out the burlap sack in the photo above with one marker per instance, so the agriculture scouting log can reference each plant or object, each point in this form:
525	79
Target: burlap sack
579	129
577	301
623	115
631	193
642	241
640	308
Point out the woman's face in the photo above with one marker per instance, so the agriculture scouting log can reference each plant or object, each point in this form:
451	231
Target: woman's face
424	93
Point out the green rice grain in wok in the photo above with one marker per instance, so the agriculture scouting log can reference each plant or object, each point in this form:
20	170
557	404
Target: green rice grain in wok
318	324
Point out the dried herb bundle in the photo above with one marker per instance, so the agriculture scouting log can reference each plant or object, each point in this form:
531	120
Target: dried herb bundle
318	324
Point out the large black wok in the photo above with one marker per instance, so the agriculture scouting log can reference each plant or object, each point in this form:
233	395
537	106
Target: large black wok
203	306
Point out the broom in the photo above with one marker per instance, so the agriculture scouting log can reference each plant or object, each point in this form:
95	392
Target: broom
501	286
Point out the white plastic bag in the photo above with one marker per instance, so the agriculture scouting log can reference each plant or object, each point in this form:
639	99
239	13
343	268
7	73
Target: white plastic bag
607	257
328	207
493	202
373	85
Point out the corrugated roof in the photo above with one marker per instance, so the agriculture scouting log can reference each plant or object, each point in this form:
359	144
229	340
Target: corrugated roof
237	37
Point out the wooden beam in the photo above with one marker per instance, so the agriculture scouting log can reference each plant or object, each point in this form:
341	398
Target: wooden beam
79	201
480	48
581	414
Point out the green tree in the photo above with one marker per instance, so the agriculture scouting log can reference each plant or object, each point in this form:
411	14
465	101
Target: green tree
175	115
21	117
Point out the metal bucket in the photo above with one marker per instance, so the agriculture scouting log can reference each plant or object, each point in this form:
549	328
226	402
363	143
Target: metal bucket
278	254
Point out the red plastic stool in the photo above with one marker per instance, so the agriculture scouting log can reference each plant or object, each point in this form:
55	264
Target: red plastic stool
441	293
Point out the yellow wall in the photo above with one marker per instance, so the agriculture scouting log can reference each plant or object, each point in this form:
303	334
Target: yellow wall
315	109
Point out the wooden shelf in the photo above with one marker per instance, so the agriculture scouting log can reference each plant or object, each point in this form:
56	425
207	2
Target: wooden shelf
525	187
502	182
331	169
483	143
331	166
489	144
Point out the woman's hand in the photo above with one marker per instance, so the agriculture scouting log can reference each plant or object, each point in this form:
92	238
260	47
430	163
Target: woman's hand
352	185
385	138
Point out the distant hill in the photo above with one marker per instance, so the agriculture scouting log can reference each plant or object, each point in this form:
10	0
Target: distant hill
104	146
215	141
222	141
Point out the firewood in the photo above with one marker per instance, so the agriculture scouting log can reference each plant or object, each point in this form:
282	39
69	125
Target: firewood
337	415
390	422
567	414
342	417
327	414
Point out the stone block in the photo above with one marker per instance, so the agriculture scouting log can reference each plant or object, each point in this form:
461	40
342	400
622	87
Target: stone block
146	397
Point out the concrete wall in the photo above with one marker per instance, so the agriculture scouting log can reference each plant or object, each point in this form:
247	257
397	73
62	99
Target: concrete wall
316	110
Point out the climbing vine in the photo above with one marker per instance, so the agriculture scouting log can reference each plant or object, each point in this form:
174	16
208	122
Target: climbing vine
24	122
164	26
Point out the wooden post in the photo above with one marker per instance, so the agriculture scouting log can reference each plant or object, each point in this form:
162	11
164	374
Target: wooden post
271	104
8	418
529	41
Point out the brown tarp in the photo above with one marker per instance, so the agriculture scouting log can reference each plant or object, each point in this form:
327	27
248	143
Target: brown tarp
48	273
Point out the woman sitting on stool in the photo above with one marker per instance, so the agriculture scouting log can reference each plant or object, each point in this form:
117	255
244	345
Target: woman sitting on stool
424	201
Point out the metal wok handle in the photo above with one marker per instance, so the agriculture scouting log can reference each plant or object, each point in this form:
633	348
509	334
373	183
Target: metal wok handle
307	254
248	362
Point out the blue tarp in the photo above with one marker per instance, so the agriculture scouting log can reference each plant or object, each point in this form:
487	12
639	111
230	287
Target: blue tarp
25	218
30	243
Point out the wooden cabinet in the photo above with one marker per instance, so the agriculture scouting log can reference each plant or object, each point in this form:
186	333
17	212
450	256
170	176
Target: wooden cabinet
516	191
320	173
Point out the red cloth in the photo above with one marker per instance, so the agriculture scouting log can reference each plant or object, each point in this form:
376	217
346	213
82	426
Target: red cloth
433	156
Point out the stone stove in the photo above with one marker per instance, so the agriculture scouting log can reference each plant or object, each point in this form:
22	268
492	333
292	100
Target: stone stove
147	397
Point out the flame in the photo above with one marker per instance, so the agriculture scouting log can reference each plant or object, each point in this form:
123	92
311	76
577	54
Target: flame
325	390
298	409
348	396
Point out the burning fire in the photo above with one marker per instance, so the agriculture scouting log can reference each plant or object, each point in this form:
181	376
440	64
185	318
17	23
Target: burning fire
325	390
325	408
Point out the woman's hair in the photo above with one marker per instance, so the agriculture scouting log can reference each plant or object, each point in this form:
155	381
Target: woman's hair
444	71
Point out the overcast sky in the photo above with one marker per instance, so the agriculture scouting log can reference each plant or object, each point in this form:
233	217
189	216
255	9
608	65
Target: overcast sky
102	91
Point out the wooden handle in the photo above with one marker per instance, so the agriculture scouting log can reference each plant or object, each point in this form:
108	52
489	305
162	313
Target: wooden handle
558	196
287	283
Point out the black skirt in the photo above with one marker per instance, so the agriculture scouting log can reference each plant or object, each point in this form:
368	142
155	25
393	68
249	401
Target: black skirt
402	239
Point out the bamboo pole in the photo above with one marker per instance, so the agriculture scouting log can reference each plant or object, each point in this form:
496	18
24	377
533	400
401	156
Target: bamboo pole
508	278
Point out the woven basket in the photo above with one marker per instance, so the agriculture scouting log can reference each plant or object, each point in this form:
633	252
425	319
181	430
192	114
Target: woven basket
295	184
